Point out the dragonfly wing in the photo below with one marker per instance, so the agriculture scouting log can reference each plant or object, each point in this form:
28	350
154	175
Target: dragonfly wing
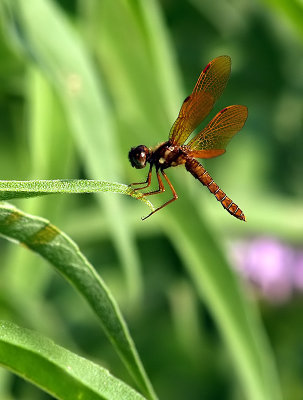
213	139
211	153
198	105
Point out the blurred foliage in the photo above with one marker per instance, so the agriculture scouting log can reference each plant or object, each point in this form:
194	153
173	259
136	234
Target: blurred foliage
141	52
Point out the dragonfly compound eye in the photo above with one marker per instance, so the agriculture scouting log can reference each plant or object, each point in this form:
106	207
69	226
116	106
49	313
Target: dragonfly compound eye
138	156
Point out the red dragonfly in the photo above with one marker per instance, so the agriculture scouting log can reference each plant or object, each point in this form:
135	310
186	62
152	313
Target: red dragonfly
210	142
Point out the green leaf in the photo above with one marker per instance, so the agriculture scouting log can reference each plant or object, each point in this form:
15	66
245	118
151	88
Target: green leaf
56	370
24	189
56	247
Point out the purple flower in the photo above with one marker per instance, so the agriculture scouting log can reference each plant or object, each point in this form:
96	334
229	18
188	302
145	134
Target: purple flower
298	271
270	265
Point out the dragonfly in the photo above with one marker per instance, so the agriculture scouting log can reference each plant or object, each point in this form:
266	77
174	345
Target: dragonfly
208	143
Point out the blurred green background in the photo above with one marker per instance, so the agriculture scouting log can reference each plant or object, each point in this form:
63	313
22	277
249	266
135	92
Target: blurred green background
146	57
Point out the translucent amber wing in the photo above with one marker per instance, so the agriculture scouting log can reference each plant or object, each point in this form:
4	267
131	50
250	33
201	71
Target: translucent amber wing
198	105
213	139
211	153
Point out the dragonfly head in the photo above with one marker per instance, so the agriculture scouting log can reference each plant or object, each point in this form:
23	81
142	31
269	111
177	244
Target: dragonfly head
139	156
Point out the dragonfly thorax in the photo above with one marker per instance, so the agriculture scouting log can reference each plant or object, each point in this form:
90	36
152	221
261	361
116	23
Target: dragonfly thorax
167	155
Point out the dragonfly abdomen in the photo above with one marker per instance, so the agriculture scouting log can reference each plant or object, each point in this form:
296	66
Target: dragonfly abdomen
200	173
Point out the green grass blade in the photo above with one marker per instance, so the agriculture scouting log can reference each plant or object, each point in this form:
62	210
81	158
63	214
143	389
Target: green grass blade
56	247
56	370
39	187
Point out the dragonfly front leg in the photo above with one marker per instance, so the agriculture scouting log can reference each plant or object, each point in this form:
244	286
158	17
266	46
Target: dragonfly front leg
146	183
161	188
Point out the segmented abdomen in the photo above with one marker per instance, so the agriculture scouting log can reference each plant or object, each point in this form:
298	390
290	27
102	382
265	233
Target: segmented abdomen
200	173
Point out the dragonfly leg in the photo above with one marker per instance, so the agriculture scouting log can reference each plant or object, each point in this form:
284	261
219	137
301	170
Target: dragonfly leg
161	188
146	183
175	196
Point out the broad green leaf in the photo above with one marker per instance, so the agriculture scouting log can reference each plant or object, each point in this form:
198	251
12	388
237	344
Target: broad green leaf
56	370
47	240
